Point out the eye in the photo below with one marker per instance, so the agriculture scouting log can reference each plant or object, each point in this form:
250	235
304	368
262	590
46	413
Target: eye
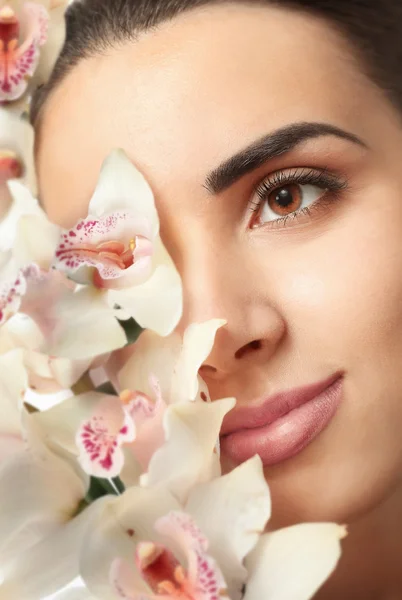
291	195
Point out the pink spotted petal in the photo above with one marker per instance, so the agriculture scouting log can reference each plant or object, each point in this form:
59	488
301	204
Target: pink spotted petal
14	288
18	62
10	297
105	244
100	439
204	578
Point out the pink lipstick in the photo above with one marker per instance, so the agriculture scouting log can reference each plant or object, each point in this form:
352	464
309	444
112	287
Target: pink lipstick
283	425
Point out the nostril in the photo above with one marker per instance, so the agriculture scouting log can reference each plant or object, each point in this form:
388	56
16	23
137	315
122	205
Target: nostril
255	345
207	369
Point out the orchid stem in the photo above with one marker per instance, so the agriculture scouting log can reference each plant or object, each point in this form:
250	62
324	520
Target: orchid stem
114	486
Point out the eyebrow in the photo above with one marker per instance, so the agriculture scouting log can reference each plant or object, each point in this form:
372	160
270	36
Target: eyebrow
266	148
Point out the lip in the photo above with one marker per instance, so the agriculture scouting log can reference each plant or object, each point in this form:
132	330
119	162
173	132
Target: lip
283	425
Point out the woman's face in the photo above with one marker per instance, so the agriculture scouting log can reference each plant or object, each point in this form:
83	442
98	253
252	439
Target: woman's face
305	296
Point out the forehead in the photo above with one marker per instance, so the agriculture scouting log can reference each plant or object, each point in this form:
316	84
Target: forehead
187	96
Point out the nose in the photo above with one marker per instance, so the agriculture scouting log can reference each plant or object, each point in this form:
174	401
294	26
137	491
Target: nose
254	325
251	336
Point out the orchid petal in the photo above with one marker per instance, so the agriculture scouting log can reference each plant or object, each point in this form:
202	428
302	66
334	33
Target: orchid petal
13	382
95	329
54	42
24	203
18	63
100	439
132	470
51	563
43	284
101	244
35	241
127	520
175	362
148	418
232	512
293	562
156	304
122	186
150	354
198	340
46	374
72	593
52	374
125	582
13	286
205	580
188	456
62	421
38	492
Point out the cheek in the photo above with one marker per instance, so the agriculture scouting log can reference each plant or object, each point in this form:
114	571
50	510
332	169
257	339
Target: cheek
342	287
340	292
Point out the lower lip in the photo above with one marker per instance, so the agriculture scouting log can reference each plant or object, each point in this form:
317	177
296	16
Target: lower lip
288	435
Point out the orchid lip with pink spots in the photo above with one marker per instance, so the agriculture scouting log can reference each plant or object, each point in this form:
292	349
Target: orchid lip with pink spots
19	59
163	573
117	249
100	439
114	247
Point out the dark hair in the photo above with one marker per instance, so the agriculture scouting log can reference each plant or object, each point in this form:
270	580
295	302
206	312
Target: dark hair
374	27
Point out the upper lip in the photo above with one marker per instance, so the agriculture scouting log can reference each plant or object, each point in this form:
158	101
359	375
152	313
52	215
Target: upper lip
273	407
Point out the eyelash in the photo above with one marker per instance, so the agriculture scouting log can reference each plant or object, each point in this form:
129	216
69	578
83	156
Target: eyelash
323	178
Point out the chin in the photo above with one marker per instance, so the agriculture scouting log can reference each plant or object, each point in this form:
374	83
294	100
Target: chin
302	491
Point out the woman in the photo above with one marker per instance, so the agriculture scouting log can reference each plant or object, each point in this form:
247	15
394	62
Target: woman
271	135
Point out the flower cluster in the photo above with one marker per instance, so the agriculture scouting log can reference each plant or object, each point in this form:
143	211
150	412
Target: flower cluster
119	484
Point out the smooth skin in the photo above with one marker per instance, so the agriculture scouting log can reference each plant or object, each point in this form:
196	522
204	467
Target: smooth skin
304	298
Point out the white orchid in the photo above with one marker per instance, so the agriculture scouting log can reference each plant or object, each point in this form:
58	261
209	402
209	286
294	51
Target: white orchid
122	433
40	489
32	34
57	353
110	437
27	252
118	249
58	359
174	360
52	563
56	557
149	544
204	530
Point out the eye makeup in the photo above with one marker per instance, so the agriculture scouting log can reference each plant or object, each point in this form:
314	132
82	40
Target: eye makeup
332	187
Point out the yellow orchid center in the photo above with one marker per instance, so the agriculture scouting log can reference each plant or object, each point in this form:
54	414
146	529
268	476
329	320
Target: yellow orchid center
7	14
126	396
9	29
